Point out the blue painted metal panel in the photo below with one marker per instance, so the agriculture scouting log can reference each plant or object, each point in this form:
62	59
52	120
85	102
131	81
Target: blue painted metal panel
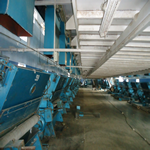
20	98
21	86
3	6
25	9
7	78
145	80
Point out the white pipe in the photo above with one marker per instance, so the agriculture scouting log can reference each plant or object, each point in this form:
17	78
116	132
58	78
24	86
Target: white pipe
18	132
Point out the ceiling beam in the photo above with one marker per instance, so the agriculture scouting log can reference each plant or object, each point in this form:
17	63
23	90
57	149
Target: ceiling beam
97	37
91	54
128	59
95	43
126	53
118	67
135	44
143	49
51	2
99	14
132	56
110	62
94	47
98	21
141	38
147	29
95	28
137	26
127	63
91	57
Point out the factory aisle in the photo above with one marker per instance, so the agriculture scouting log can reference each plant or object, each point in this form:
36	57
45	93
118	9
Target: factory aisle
109	132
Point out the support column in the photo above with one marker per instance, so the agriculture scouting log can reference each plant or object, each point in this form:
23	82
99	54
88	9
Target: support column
62	44
49	29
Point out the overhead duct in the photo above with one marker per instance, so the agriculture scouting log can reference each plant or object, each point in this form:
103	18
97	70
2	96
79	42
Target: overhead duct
17	16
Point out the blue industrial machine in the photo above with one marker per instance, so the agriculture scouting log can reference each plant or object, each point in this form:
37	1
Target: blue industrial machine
101	84
141	88
32	99
135	89
121	90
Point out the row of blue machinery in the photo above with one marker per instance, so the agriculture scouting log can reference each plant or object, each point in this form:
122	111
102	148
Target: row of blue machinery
34	90
31	102
101	84
134	88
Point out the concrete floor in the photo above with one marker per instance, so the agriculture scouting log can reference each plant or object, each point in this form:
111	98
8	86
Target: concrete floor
109	132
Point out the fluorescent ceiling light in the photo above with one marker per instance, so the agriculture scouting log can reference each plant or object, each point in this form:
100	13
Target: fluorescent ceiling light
110	10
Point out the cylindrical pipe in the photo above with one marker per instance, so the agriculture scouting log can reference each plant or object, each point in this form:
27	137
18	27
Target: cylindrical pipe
18	132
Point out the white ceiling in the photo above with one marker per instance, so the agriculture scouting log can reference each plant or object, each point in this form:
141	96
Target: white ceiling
132	57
